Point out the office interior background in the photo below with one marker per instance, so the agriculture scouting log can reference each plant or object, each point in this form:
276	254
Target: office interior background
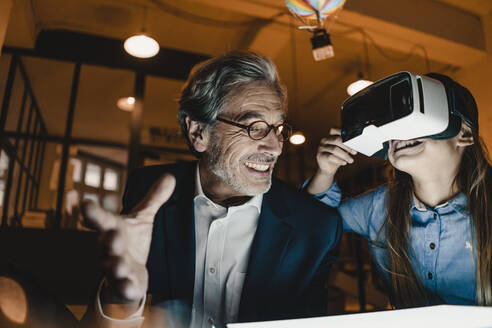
64	137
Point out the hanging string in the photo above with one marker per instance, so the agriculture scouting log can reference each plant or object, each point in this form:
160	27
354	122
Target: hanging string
178	12
199	19
144	18
403	58
295	73
181	13
366	58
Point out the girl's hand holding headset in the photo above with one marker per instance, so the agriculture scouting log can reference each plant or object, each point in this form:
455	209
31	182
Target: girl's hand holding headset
332	154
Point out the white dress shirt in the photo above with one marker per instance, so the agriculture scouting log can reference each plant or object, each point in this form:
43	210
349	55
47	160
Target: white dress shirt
223	241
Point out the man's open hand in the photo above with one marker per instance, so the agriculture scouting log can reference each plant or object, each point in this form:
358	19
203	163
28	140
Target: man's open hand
125	239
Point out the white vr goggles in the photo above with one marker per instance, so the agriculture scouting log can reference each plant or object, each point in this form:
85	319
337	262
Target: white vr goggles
402	106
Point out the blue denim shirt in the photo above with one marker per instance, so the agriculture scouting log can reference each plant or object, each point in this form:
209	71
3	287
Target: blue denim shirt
441	238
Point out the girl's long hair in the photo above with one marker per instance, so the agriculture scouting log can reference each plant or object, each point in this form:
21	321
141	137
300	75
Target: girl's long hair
474	179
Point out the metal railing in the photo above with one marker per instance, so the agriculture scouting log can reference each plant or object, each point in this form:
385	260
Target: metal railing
25	162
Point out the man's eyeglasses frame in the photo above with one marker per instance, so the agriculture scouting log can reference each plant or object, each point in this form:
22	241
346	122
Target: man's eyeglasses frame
278	129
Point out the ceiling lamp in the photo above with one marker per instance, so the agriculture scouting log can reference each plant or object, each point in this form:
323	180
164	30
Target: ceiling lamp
316	15
141	46
358	85
297	138
126	103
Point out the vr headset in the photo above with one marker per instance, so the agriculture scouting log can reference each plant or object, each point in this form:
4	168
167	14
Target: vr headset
402	106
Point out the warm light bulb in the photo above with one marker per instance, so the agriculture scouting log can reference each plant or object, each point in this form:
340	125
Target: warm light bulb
297	138
323	53
356	86
141	46
126	103
322	47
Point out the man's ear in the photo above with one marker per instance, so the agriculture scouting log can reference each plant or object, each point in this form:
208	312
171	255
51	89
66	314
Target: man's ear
465	137
197	135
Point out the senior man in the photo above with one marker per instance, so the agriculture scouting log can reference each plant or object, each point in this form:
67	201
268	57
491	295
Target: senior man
218	235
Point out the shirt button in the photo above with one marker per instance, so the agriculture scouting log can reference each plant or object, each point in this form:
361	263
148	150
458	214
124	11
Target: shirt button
435	216
432	245
211	270
429	275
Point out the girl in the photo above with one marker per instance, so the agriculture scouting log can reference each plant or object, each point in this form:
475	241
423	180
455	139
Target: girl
430	227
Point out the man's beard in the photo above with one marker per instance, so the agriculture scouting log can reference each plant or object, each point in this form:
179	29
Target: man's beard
230	174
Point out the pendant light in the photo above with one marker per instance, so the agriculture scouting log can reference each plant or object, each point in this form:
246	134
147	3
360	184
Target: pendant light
358	85
126	103
142	45
297	138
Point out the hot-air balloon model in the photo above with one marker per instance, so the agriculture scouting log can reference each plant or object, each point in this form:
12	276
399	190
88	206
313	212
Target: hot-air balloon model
316	15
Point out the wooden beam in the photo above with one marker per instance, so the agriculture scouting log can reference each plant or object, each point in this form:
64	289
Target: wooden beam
5	10
108	52
22	29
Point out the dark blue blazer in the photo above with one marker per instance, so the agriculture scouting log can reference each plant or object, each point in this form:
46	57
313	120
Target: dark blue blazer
294	245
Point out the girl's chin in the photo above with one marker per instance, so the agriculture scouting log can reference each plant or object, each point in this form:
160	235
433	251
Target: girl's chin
406	164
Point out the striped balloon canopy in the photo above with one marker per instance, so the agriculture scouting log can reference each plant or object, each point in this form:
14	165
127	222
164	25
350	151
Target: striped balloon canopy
314	10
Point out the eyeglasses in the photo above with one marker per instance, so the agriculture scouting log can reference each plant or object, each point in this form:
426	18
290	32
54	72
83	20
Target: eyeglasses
260	129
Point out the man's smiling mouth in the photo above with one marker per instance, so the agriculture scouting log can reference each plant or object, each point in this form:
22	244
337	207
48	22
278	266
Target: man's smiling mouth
257	167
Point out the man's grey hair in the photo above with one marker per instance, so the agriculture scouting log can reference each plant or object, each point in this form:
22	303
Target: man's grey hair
210	83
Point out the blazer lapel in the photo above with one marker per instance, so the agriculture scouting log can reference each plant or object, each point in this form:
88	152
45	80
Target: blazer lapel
267	251
180	238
